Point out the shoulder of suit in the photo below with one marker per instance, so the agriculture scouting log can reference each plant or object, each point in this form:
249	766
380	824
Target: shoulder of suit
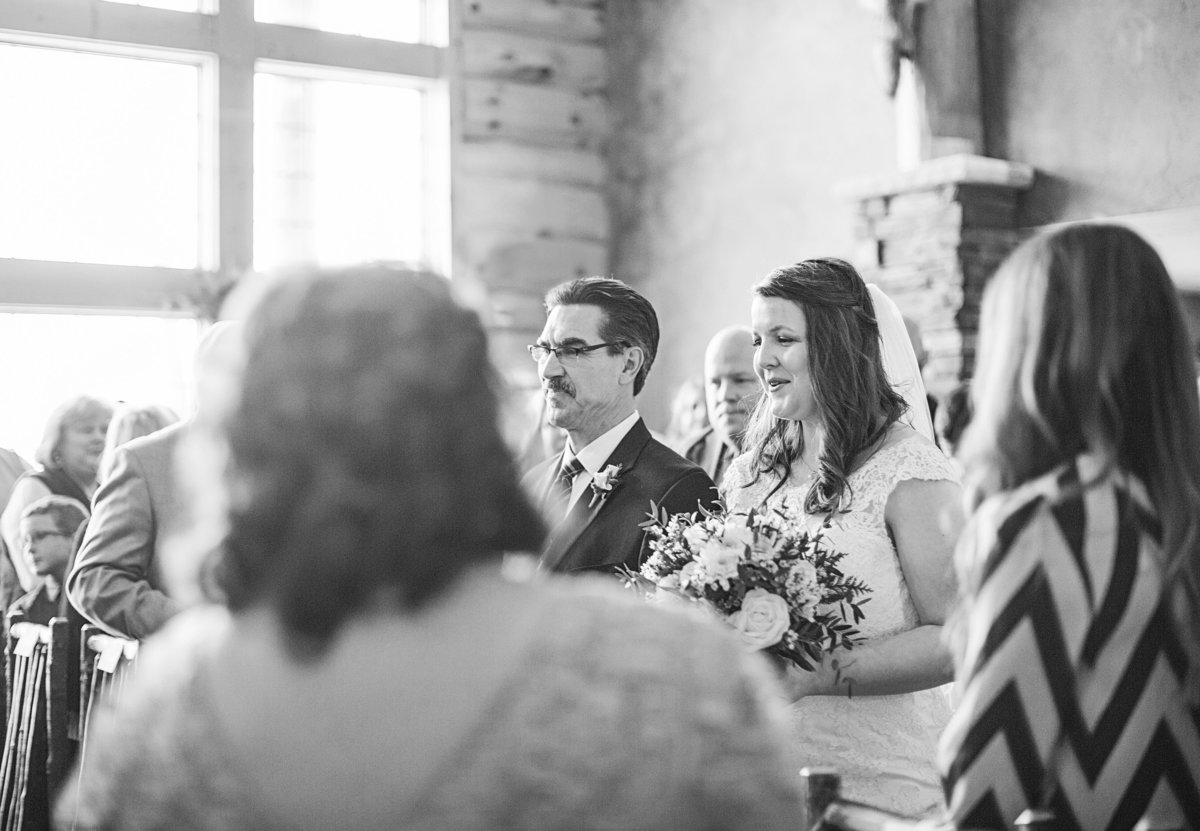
158	441
693	441
665	461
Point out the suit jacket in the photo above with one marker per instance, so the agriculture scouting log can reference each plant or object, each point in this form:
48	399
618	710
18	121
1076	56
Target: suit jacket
606	534
116	581
708	451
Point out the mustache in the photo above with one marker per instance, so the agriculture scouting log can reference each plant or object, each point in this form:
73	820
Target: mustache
559	384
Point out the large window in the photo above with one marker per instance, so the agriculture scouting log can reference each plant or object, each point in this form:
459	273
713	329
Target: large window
149	146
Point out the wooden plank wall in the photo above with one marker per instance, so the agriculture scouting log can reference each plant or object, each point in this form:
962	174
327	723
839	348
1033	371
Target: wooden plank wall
527	165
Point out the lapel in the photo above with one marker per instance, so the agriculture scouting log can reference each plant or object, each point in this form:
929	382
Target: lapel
585	510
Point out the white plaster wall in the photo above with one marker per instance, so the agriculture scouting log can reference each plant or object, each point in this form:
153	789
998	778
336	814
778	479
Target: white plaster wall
733	119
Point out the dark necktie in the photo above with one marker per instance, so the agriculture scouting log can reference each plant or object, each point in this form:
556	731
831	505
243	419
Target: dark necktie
560	490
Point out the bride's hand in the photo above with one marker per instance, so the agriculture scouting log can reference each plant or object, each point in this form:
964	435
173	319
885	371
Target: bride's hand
830	678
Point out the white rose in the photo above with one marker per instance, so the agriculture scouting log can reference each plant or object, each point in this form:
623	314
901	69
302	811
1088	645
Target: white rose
695	536
762	620
688	573
670	581
737	533
720	561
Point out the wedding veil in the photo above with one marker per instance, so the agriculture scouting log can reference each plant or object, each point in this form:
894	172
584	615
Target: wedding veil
900	361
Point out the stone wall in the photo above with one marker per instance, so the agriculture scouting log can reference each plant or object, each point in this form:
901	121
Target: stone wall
931	237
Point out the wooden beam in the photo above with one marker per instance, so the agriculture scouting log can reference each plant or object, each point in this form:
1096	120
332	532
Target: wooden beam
539	61
537	116
499	157
532	210
537	17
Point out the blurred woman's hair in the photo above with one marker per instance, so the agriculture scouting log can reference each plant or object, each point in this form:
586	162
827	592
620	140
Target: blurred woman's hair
74	410
132	421
1083	349
856	403
365	462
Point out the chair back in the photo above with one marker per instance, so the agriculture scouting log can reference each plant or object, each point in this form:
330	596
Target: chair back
37	751
825	809
105	662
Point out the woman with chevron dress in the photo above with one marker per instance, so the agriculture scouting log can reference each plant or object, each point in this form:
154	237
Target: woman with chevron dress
1078	633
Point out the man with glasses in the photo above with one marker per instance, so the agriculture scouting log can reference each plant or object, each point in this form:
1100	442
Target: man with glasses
593	355
47	533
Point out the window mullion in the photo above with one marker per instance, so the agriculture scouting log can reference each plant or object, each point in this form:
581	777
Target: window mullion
235	135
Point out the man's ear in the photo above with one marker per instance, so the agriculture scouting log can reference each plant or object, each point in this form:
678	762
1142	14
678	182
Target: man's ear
635	356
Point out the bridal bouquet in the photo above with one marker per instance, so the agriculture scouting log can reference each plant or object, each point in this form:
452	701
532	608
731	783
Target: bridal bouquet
776	584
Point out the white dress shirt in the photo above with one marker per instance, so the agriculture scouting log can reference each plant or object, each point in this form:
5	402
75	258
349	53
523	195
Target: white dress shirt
595	455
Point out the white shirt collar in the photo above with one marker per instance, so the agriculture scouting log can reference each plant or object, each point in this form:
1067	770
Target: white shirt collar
596	454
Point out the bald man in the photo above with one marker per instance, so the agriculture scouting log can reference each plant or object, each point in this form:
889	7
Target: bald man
730	392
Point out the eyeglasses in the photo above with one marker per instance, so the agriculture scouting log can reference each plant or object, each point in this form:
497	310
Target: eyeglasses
565	354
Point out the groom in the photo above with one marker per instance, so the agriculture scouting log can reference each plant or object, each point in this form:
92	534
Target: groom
593	356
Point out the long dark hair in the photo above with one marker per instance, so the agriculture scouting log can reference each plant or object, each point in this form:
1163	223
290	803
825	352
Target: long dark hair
857	404
1083	348
365	458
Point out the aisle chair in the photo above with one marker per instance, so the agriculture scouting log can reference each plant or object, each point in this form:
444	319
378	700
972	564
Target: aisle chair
37	750
825	810
105	662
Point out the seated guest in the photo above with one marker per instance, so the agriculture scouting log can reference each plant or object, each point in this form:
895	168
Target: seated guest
12	466
116	579
48	530
730	390
69	455
132	421
688	414
1079	632
373	669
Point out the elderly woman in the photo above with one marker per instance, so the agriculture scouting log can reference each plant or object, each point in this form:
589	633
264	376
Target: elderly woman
69	454
372	668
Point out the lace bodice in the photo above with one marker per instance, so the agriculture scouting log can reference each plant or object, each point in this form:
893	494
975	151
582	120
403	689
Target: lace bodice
884	746
862	532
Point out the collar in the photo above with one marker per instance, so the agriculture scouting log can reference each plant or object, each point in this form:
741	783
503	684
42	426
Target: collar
596	454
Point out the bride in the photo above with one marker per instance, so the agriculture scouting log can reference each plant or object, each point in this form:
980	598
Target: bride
829	440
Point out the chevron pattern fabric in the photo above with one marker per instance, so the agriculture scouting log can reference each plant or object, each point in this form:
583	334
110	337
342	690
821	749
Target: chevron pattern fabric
1072	674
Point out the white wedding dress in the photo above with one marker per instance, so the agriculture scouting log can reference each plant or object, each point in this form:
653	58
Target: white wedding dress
884	747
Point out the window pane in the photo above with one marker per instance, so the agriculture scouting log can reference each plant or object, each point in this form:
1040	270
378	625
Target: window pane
49	358
386	19
102	166
177	5
338	172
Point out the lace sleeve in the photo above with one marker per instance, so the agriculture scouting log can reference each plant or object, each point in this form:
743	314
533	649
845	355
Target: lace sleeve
916	458
150	762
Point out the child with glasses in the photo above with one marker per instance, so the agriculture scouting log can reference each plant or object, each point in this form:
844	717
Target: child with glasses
47	534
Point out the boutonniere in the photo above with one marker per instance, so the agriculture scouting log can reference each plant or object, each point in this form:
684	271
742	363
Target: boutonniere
604	482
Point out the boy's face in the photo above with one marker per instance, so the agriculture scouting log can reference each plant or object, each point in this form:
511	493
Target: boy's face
47	549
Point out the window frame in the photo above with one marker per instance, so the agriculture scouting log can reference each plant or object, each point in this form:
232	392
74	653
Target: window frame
228	45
